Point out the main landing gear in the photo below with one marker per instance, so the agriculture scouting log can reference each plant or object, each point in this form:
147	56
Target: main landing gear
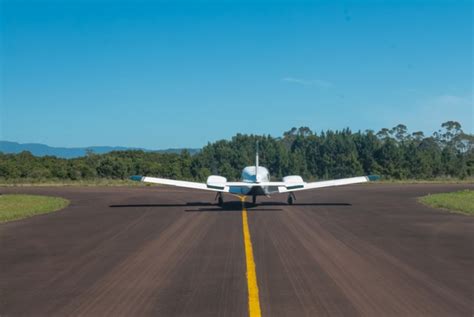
220	199
291	198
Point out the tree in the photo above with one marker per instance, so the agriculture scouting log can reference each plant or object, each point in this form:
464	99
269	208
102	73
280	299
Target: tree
392	153
400	133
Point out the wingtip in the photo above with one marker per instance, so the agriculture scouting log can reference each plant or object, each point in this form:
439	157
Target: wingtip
137	178
372	178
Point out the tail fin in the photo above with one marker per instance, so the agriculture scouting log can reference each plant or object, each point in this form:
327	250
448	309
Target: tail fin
256	162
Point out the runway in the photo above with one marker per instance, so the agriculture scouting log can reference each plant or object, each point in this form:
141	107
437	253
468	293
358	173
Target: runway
363	250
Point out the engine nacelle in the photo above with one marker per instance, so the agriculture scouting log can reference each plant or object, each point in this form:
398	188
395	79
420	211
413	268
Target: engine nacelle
216	179
293	179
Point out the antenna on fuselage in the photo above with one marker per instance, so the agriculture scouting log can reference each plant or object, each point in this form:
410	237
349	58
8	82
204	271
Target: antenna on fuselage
256	163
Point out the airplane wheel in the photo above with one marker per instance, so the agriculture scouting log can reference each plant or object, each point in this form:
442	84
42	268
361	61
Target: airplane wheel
220	201
254	199
290	200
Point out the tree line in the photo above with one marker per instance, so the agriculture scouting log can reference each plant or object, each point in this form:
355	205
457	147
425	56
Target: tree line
391	153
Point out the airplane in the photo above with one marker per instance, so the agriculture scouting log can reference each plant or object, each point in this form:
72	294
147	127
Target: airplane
255	182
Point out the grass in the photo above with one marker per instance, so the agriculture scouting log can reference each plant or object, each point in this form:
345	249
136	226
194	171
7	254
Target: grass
14	207
461	201
440	180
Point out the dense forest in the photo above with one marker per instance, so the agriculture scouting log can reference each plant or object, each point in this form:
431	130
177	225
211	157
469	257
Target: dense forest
391	153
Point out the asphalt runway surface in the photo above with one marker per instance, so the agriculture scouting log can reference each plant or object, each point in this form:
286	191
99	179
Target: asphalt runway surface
363	250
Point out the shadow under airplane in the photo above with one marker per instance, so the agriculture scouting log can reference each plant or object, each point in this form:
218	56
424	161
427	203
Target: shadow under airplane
228	206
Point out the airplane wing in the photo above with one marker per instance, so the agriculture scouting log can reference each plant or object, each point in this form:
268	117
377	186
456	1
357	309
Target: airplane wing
295	186
223	187
164	181
276	187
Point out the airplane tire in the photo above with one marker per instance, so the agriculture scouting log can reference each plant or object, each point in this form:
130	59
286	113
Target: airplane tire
254	199
290	200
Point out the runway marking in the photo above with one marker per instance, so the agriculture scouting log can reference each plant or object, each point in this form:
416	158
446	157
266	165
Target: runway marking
254	301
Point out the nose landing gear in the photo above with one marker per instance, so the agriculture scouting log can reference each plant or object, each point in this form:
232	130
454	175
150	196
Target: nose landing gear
291	198
254	199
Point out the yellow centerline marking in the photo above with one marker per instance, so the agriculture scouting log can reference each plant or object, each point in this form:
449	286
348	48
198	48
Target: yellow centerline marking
254	301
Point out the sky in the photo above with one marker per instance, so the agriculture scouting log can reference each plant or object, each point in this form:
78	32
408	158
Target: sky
172	74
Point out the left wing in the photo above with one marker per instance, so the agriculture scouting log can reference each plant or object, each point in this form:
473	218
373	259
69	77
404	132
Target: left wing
218	187
224	187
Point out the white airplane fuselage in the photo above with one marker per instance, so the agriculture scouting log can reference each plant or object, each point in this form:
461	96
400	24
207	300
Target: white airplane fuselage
254	175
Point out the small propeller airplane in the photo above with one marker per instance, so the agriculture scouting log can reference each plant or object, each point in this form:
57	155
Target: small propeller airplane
255	182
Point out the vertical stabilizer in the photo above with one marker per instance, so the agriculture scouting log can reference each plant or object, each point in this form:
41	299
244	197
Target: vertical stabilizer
256	162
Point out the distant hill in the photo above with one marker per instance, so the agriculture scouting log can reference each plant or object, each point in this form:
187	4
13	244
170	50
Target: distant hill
64	152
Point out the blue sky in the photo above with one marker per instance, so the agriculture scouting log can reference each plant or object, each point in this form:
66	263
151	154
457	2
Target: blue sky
161	74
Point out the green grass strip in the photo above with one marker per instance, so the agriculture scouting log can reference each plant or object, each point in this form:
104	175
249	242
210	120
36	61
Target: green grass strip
461	201
14	207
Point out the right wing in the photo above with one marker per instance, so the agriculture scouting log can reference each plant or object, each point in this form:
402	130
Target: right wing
292	187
